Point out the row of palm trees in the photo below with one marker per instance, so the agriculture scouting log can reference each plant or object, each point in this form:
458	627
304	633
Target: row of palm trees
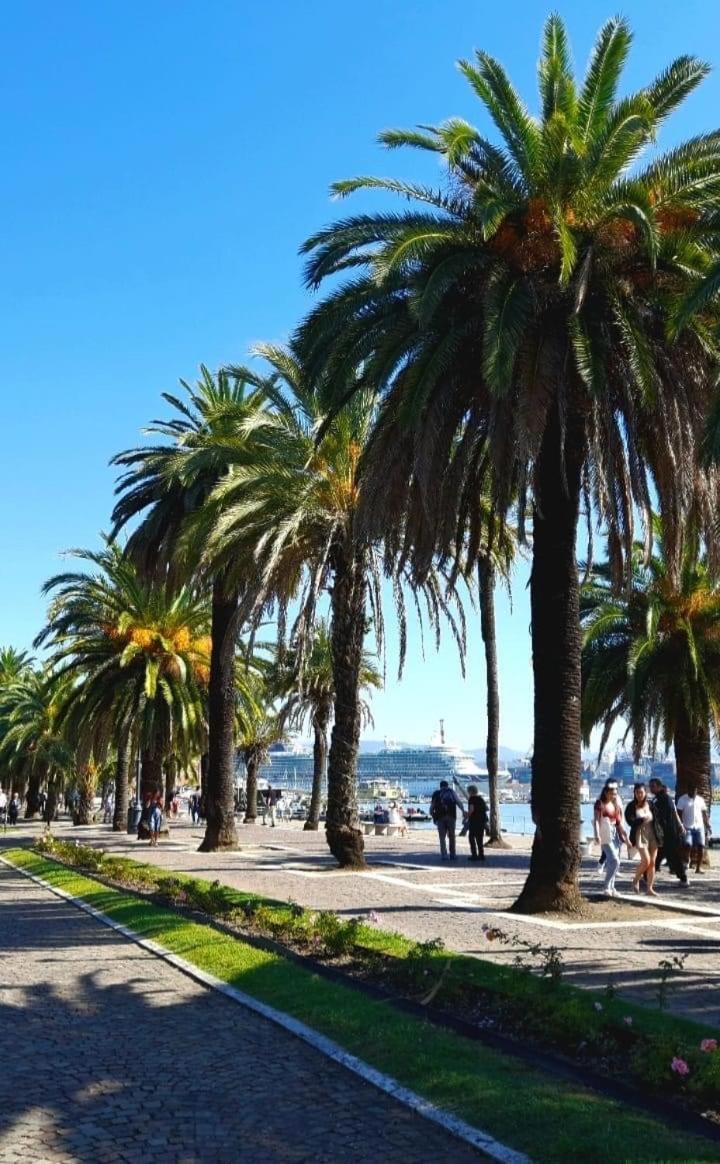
535	339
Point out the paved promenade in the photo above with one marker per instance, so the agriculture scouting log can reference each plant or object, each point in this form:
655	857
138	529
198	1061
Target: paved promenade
620	941
110	1055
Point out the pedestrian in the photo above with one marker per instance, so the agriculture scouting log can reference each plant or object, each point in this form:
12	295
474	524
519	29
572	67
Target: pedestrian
612	835
195	807
646	835
613	786
477	823
143	832
443	808
3	806
673	833
396	818
155	821
694	815
13	811
272	799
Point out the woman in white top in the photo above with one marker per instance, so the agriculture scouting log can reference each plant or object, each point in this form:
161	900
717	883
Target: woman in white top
612	834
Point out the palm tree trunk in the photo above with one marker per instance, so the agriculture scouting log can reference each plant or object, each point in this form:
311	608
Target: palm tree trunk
32	799
692	758
251	787
170	779
87	780
552	883
344	835
220	831
52	799
486	581
151	777
122	775
320	726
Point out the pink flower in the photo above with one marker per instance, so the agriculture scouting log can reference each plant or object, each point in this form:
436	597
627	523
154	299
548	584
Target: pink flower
680	1067
709	1045
628	1020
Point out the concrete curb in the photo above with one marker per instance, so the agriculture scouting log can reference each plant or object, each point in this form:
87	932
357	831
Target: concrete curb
457	1127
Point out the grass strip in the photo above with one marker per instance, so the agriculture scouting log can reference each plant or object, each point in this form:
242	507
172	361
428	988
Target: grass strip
547	1118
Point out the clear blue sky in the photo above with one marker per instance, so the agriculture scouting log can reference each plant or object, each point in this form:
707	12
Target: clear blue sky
161	163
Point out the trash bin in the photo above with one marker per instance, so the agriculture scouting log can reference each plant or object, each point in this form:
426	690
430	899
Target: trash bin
134	814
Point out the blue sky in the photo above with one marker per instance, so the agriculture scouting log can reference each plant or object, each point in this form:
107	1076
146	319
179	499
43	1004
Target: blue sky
161	164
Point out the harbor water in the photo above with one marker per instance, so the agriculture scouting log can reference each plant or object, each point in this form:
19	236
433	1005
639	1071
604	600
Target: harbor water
516	818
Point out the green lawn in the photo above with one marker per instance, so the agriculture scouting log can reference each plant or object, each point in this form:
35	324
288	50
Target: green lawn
550	1120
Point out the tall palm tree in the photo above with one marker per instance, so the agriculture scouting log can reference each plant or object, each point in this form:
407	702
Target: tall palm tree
537	314
303	681
219	419
299	508
137	654
651	656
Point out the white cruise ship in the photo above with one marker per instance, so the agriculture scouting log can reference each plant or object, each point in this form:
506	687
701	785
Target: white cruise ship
417	771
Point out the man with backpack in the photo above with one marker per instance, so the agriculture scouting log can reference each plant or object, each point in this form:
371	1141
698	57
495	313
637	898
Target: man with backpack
443	808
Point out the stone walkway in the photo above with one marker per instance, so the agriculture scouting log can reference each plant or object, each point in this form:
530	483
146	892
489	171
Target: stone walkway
622	942
108	1055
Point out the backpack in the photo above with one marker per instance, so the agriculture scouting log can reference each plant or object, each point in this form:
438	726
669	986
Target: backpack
442	804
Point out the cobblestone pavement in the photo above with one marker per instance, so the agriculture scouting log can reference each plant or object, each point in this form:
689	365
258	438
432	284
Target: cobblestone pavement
621	941
110	1055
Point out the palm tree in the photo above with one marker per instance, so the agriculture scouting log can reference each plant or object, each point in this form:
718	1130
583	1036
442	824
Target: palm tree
651	656
167	484
137	656
536	315
303	681
299	508
33	747
258	728
13	664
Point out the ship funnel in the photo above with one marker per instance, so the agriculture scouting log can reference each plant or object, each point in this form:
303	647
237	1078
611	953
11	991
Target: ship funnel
442	732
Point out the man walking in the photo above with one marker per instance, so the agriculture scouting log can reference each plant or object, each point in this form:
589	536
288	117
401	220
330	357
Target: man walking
477	823
694	815
443	808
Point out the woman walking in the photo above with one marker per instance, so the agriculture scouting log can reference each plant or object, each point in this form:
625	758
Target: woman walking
155	821
646	835
612	835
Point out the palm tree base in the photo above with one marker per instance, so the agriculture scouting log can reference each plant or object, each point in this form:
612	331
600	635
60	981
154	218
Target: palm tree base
498	843
544	897
311	826
218	840
347	846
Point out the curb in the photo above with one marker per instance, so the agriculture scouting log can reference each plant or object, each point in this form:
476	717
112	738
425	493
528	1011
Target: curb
457	1127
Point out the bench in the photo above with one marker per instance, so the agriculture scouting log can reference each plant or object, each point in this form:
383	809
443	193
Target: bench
381	830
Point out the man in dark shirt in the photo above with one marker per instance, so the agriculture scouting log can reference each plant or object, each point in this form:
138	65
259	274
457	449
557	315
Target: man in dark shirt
477	822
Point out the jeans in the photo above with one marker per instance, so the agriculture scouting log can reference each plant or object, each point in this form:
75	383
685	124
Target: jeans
476	837
446	831
611	853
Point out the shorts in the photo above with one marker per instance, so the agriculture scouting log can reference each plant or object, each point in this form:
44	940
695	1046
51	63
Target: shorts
695	838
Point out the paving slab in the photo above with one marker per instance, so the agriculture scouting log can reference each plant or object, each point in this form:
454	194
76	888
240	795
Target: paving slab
108	1053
